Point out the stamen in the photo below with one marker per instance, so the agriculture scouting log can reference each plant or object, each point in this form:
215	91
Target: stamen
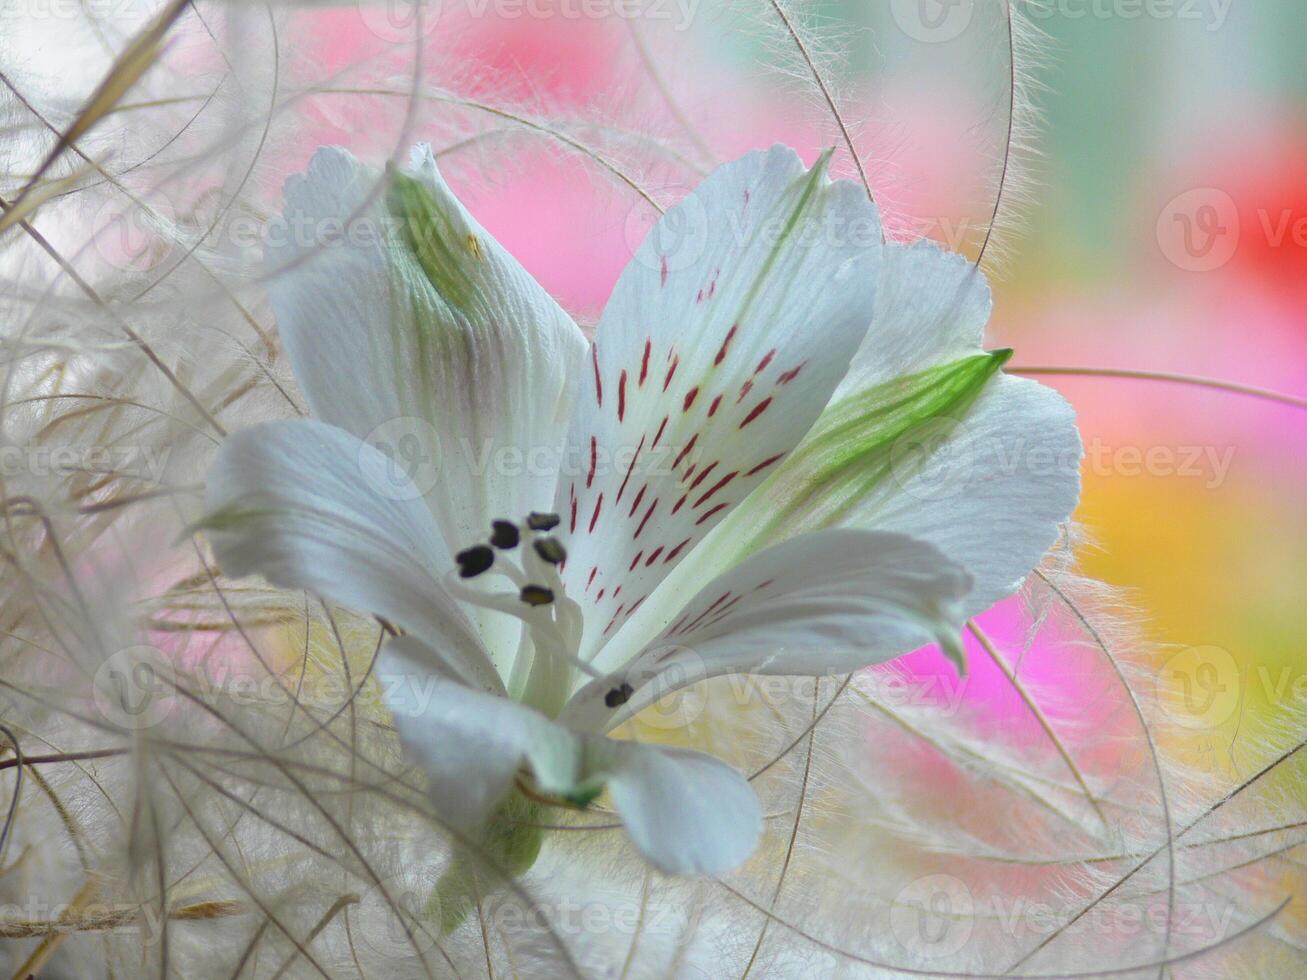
555	622
537	595
618	696
550	550
475	560
504	535
505	602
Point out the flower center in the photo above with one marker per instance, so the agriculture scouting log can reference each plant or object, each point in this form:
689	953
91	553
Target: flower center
530	558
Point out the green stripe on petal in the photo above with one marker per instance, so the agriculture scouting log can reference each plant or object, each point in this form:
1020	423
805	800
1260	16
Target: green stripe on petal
418	333
685	811
861	441
808	187
443	254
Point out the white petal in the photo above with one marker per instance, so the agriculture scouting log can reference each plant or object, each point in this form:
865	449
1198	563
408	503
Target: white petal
415	313
822	603
931	308
924	437
470	745
685	811
297	503
996	490
722	341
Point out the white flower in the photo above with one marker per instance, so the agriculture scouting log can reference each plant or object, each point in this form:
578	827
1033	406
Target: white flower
726	486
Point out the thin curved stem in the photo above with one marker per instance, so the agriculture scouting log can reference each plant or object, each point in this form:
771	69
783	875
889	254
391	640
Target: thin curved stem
1195	380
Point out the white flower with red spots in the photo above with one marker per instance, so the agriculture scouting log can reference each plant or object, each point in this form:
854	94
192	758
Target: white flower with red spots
740	475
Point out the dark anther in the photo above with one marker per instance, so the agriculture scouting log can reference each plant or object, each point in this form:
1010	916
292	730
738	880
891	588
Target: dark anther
550	550
504	535
618	696
542	522
475	560
537	595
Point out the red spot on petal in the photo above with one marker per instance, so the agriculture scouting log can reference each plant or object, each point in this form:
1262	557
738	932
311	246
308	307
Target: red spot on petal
661	429
594	518
663	271
644	361
726	344
756	411
744	391
635	561
573	515
621	396
716	404
690	396
700	478
717	486
600	597
721	613
686	451
599	382
764	464
630	469
680	503
591	580
671	372
612	622
647	514
791	374
762	365
594	462
671	555
653	557
635	504
707	612
709	513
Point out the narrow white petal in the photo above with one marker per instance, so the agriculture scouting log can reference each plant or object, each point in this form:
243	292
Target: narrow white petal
931	308
685	811
721	344
296	502
925	436
414	319
823	603
1002	484
470	745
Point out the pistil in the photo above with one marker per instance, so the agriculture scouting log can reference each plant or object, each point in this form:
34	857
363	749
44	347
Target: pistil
554	621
